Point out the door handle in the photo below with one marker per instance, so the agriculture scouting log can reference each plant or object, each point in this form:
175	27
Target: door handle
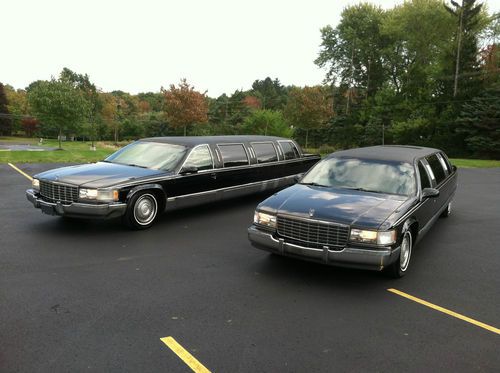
213	176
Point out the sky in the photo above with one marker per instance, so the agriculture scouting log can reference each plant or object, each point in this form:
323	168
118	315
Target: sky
219	46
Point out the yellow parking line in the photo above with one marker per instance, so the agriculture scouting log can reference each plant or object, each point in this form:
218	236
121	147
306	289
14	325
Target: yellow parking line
448	312
20	171
189	359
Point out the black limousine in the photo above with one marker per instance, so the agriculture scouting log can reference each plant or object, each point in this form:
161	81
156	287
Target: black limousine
151	175
363	208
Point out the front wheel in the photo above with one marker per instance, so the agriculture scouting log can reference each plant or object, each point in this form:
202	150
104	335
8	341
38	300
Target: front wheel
141	211
399	267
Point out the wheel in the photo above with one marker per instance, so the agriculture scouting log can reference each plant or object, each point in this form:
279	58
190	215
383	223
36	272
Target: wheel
447	211
400	266
141	211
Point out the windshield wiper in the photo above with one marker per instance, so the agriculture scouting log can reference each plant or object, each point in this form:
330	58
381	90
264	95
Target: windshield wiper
316	184
362	189
134	165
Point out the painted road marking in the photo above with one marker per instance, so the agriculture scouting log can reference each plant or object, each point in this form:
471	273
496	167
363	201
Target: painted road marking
189	359
20	171
448	312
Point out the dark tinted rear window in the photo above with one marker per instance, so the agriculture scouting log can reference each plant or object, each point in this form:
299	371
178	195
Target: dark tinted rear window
437	168
289	150
233	155
265	152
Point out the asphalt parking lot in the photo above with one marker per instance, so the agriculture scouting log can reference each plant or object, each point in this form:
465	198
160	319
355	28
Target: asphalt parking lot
80	295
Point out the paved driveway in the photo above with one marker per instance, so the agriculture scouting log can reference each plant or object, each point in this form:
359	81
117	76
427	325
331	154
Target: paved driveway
92	296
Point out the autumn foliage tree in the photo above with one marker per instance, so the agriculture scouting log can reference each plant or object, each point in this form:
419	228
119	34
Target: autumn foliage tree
308	108
184	106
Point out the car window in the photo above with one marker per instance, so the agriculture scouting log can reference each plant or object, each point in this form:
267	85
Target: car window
233	155
363	174
437	168
265	152
424	178
444	163
201	158
289	150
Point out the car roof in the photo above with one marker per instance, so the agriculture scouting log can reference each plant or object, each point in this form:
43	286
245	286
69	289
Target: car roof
196	140
400	153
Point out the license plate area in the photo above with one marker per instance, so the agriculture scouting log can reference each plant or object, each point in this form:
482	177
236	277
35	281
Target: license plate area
49	210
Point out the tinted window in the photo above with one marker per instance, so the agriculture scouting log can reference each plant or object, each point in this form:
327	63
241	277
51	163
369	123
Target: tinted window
265	152
445	163
233	155
437	168
289	150
424	178
201	158
363	174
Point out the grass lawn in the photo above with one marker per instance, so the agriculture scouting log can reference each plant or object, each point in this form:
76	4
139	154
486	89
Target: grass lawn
72	152
475	163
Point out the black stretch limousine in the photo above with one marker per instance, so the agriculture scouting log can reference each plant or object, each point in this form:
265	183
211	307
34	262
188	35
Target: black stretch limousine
363	208
151	175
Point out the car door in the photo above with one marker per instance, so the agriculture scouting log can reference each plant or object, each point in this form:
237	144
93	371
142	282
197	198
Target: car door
440	175
187	189
427	207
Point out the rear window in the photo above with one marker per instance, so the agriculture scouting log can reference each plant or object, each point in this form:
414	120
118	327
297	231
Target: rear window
289	150
233	155
265	152
437	168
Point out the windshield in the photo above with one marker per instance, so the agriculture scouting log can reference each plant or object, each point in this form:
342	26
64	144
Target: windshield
154	155
362	174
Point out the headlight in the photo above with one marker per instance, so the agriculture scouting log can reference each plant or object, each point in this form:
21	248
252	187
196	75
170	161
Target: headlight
99	195
261	218
35	183
373	237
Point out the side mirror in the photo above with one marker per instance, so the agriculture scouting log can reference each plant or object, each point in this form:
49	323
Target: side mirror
298	177
188	169
454	168
430	193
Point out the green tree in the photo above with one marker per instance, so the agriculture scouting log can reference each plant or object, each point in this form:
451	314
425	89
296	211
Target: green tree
479	124
60	106
271	93
352	52
470	22
267	122
5	118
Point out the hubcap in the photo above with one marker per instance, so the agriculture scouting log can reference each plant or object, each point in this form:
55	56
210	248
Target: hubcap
145	209
404	258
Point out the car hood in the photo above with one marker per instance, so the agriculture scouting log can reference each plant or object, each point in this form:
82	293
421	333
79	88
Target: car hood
98	175
355	208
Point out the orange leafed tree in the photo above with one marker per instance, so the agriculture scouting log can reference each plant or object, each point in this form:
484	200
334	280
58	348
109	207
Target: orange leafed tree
308	108
184	106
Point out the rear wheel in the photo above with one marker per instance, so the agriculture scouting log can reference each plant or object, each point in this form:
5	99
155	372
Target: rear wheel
399	267
141	210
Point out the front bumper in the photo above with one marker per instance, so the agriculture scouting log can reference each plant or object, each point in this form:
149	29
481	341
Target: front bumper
77	209
364	258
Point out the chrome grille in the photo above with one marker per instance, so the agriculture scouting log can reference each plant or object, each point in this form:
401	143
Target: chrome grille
313	233
58	193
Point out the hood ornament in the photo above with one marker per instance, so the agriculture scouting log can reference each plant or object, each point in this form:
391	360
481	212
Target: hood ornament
311	213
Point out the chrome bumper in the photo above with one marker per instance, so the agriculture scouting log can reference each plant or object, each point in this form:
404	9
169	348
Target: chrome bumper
375	259
76	209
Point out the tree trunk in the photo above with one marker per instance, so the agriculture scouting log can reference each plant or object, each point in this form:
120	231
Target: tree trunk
459	46
60	135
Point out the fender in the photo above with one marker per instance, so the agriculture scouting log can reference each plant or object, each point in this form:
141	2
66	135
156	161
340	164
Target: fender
138	188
